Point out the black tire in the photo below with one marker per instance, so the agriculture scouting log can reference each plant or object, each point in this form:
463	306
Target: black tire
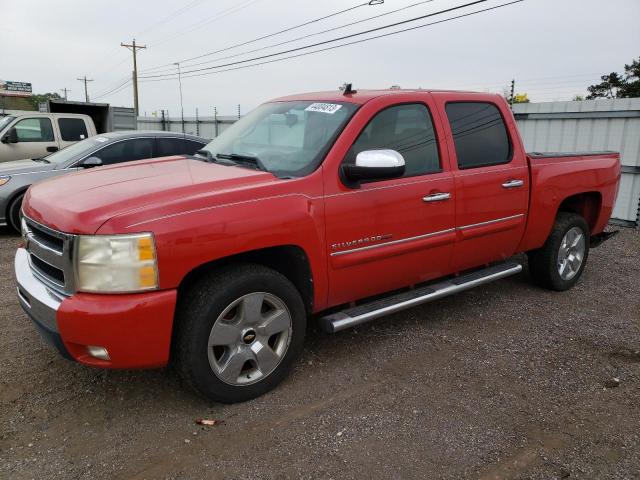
543	263
14	212
200	306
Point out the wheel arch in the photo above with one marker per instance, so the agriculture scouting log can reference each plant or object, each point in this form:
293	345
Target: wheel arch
12	198
586	204
290	260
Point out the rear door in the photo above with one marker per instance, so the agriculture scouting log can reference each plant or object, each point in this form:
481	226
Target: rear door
72	130
388	234
491	179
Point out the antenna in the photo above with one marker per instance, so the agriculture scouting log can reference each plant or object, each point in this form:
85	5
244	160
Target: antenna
348	90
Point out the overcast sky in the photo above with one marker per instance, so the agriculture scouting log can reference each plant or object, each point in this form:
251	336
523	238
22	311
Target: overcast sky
553	48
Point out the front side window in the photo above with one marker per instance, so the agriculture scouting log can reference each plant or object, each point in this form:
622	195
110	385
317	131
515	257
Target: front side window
126	151
72	129
479	134
407	129
289	139
34	130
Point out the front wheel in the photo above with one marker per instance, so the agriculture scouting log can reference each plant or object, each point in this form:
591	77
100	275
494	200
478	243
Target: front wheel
560	262
238	332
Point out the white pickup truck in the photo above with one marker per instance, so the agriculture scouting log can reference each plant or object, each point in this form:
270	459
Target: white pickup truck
35	135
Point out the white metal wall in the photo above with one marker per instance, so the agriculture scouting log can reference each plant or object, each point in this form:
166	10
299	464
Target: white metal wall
587	126
204	127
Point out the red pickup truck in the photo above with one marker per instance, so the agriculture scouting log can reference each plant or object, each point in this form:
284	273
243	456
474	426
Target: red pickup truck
342	207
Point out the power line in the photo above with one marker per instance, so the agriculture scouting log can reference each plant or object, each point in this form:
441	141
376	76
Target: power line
172	15
344	44
345	37
302	37
114	90
224	13
288	29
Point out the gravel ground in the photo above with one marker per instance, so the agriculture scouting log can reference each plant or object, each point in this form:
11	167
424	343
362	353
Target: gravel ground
505	381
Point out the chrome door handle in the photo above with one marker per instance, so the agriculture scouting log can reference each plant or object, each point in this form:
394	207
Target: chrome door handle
513	184
437	197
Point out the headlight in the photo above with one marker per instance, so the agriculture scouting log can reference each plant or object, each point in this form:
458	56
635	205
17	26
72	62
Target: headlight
116	264
4	179
24	230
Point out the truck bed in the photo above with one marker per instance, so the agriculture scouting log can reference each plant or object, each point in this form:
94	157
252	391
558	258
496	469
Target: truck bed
556	177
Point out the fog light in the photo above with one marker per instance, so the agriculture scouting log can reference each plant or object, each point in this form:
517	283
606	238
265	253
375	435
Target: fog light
98	352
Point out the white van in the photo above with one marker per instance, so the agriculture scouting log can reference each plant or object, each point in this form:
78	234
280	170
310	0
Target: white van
35	135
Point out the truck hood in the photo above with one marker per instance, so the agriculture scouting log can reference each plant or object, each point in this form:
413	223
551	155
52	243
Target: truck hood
25	166
81	202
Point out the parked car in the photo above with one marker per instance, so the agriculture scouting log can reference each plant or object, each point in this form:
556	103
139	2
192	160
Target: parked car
34	134
308	207
106	149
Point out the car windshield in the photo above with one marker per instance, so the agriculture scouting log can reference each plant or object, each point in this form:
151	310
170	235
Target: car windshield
4	121
288	139
77	150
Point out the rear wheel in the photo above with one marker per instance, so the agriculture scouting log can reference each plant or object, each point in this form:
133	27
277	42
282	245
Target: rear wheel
238	332
14	212
560	262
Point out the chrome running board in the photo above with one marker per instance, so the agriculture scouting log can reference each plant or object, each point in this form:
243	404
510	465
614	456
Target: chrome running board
379	308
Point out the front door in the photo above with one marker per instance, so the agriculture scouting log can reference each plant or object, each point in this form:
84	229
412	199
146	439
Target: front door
394	233
36	139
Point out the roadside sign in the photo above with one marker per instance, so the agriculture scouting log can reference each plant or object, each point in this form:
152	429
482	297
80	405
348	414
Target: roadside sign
18	89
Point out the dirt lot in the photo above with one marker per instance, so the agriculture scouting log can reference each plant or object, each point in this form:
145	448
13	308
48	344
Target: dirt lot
507	381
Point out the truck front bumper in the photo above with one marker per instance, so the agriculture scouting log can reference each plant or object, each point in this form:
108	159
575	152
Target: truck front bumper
133	329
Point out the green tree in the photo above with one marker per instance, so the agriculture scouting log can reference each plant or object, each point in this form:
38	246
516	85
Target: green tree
38	98
615	85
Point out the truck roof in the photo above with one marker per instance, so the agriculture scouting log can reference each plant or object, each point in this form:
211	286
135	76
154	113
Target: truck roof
363	96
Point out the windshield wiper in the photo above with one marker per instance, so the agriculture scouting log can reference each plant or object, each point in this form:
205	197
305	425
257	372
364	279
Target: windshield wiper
247	160
41	160
206	154
242	159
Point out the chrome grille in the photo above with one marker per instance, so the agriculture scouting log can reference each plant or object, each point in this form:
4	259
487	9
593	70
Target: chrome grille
50	255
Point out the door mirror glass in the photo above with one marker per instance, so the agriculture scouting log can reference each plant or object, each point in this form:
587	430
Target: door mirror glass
91	162
11	136
374	165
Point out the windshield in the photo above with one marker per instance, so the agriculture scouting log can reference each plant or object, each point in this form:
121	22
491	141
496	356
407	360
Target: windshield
4	121
288	139
77	150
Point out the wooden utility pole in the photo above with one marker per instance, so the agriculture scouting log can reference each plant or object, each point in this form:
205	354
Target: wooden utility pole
86	92
134	48
65	90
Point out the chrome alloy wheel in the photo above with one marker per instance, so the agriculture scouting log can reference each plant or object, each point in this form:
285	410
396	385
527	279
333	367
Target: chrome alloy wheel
249	338
571	253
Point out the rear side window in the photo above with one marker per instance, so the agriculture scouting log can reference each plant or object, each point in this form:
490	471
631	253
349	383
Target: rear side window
479	134
34	130
72	129
407	129
176	146
126	150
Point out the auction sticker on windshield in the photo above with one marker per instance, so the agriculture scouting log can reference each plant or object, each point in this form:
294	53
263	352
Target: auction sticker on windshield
323	107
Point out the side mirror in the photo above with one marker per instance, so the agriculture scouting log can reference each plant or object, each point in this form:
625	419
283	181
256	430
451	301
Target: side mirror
374	165
91	162
11	136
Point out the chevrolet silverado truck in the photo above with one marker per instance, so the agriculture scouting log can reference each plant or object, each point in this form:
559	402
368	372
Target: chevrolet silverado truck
340	207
